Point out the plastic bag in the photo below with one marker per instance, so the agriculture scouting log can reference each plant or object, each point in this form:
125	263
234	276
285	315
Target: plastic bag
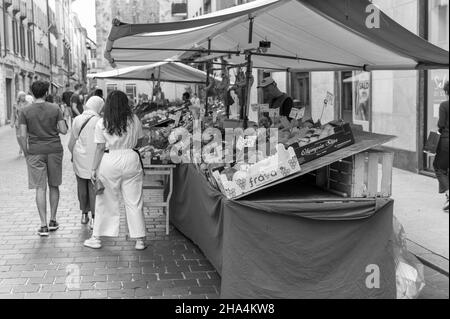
408	269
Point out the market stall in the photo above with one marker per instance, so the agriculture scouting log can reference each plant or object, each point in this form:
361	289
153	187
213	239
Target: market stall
306	218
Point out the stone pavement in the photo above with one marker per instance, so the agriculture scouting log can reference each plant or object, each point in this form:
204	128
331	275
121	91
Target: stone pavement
418	207
171	267
33	267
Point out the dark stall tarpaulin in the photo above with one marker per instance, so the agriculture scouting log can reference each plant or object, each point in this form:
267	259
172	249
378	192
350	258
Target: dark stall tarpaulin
305	35
286	248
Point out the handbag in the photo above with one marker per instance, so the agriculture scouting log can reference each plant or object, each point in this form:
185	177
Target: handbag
99	188
432	143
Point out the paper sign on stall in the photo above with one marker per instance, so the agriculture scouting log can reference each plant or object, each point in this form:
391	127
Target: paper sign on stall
263	108
297	114
274	112
249	141
176	117
329	99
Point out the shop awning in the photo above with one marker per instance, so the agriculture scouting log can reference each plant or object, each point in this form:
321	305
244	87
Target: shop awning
166	71
310	35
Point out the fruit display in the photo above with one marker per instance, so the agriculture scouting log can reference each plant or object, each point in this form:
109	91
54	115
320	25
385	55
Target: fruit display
155	117
305	133
250	161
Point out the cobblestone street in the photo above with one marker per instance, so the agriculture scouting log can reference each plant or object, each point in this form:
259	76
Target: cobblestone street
34	267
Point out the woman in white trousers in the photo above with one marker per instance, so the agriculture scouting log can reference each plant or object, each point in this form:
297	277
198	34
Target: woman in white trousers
118	167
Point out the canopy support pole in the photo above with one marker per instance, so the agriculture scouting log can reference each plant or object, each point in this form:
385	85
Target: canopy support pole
250	31
207	78
246	104
248	75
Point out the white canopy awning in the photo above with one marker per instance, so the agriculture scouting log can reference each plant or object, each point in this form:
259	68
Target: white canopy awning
166	71
309	35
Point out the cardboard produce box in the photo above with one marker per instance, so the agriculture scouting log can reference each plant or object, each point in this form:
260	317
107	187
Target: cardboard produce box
343	137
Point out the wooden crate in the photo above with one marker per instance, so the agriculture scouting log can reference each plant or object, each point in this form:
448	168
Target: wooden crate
359	175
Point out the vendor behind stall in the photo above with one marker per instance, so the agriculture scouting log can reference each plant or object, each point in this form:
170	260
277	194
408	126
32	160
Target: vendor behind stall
276	98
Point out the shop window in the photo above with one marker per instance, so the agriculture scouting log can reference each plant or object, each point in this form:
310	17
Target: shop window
130	91
347	97
110	88
22	40
301	91
356	98
443	23
438	20
15	36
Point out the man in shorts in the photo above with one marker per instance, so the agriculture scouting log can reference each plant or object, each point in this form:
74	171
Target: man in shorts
40	126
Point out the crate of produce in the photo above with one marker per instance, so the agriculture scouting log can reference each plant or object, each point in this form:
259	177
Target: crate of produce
367	174
341	136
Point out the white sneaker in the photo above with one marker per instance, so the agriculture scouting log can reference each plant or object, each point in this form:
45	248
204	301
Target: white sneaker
140	245
93	243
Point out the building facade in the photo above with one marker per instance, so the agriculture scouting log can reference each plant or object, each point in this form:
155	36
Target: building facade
128	11
39	39
134	11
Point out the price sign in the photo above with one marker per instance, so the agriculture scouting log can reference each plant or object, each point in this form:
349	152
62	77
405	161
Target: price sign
249	141
297	113
274	112
176	117
264	108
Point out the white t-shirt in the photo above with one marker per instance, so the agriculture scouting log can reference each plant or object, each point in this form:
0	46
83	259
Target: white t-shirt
128	140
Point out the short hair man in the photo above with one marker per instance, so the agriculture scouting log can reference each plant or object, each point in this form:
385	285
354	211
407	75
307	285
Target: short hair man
99	93
40	126
76	101
276	98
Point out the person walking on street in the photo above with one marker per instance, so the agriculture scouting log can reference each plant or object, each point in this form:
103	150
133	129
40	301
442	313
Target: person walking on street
82	147
441	160
118	166
76	101
66	96
29	98
17	109
40	126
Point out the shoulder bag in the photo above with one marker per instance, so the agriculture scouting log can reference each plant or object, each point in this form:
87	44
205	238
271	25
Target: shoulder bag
432	143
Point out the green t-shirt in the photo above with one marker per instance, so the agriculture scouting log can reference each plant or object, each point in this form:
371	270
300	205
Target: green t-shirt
42	120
